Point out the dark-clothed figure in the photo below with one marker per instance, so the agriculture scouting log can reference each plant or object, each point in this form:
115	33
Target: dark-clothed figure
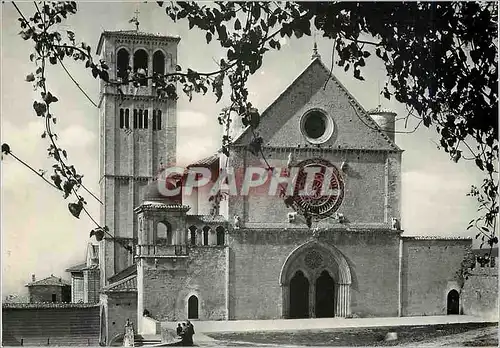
179	329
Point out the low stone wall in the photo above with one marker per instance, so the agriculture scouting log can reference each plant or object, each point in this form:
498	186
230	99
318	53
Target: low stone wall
50	324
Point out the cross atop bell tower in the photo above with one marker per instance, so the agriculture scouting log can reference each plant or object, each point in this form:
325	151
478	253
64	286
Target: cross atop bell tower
135	19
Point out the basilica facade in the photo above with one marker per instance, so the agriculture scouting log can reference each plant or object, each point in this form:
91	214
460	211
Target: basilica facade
259	256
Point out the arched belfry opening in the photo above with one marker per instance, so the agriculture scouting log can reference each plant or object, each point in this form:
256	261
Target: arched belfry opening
206	231
453	302
141	65
192	235
164	233
193	307
158	63
122	64
325	271
221	233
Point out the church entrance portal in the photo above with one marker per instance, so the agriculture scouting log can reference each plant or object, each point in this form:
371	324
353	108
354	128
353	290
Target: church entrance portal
453	302
299	296
315	282
325	295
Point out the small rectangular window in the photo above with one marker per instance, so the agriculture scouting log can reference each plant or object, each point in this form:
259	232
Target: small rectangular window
127	124
135	118
154	119
122	118
158	120
140	119
146	119
54	297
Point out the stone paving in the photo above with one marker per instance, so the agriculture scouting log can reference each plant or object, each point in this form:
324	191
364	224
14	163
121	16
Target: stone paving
202	327
328	323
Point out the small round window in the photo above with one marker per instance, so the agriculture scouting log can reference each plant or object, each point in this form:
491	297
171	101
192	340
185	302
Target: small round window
316	126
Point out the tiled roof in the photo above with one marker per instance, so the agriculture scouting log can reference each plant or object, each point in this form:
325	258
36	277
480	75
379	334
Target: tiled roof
128	284
124	273
207	218
42	305
140	33
156	205
50	281
380	110
77	268
206	162
436	238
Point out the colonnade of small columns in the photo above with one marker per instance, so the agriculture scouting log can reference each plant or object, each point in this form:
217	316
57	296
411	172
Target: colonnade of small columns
194	235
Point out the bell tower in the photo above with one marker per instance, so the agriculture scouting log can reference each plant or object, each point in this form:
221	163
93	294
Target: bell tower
138	131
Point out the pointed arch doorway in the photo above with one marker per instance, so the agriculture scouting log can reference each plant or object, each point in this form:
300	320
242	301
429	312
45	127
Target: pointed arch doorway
321	269
299	296
193	307
325	296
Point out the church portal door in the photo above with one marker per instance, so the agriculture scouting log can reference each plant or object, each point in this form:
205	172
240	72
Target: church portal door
299	296
325	295
453	302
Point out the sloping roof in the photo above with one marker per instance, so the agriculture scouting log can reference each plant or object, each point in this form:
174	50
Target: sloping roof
206	162
49	281
332	79
77	268
124	273
128	284
206	218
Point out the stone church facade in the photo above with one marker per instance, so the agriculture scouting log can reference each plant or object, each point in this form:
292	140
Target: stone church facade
253	256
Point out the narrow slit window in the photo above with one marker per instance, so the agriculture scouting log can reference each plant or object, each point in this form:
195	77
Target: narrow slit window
135	118
140	119
158	120
145	119
127	124
122	118
154	119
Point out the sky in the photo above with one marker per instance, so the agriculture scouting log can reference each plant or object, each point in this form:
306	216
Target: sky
39	235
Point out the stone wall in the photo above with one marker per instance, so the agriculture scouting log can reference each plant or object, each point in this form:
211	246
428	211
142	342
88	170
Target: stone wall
371	187
480	292
168	283
118	307
257	257
43	293
429	269
56	324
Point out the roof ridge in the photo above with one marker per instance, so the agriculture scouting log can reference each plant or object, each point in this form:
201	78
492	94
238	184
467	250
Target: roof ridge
342	87
364	112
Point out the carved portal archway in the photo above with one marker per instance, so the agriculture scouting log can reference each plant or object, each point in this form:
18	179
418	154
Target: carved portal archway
329	278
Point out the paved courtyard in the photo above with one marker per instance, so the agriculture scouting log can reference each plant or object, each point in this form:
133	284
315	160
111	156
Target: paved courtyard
205	329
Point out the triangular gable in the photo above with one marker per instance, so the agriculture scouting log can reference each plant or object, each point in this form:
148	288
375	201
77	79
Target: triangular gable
280	122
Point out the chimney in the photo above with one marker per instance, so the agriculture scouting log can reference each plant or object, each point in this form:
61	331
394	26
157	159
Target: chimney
385	119
33	278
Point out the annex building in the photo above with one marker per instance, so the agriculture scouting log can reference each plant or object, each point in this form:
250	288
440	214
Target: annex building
253	256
